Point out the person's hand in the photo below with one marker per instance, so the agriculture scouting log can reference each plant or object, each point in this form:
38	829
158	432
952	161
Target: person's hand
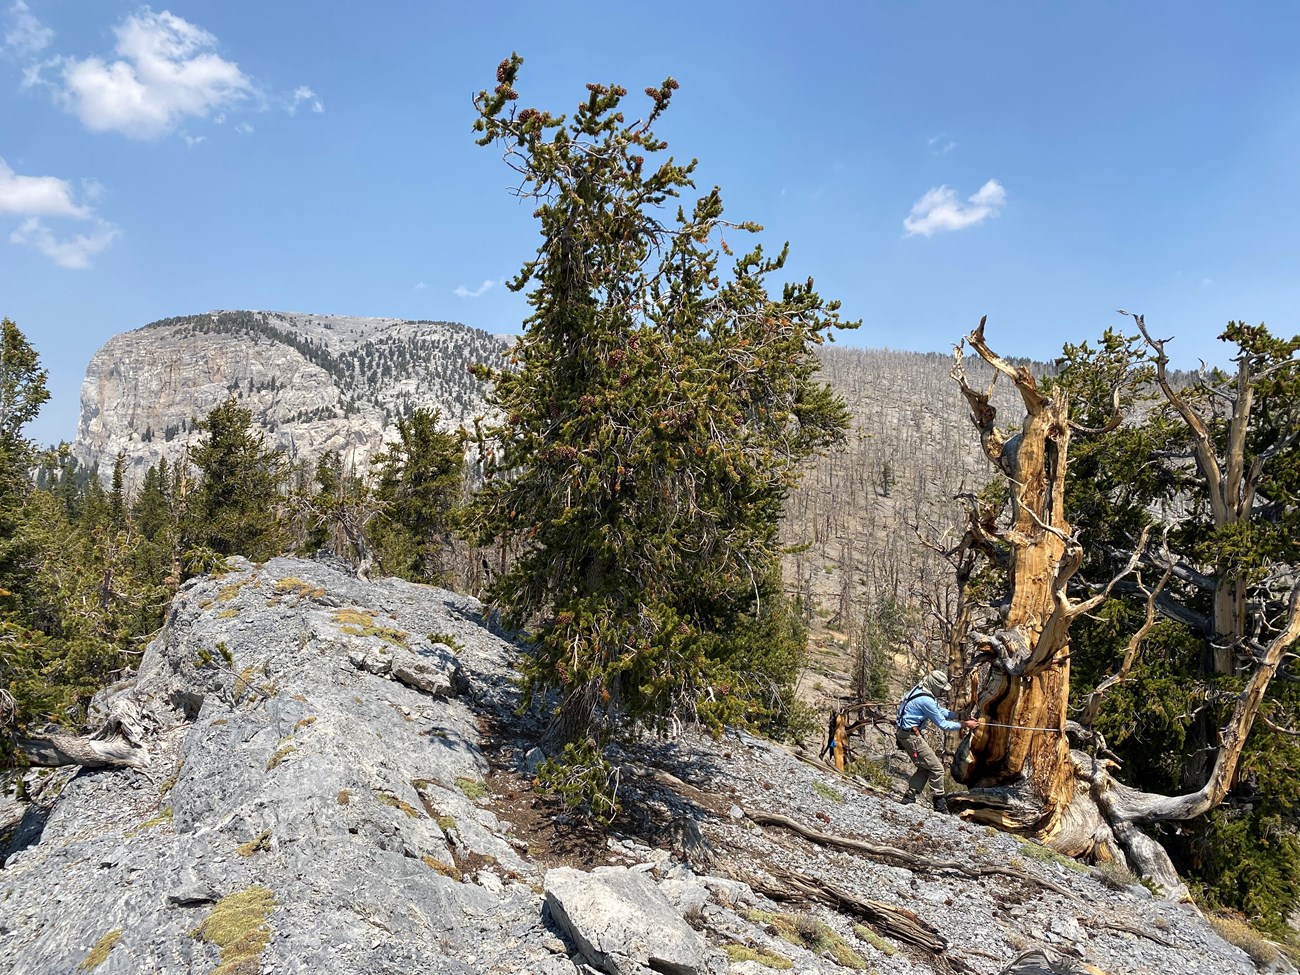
970	724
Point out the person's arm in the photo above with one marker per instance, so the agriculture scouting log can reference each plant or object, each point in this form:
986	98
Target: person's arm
944	719
970	724
947	720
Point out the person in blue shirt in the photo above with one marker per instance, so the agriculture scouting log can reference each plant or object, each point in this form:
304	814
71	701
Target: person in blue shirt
921	704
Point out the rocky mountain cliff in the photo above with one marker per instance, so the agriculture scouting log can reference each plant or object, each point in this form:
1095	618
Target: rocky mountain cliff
315	383
334	779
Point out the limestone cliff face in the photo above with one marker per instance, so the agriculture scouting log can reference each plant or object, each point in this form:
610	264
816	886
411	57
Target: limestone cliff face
314	383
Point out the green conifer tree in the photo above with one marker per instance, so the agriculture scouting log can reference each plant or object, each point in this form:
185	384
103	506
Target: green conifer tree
421	479
654	420
236	503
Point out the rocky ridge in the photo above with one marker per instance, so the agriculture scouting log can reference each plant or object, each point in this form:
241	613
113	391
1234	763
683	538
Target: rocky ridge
340	782
314	383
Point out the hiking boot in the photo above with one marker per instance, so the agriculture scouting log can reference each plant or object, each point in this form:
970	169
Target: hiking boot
908	798
941	804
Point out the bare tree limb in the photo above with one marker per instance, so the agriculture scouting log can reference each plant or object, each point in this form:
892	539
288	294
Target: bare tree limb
1092	704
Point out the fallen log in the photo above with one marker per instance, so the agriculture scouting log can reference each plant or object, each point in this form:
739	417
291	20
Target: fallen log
901	857
896	923
117	744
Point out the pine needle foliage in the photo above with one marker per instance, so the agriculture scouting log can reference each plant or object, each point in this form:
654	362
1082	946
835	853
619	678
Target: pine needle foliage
236	509
655	413
1234	564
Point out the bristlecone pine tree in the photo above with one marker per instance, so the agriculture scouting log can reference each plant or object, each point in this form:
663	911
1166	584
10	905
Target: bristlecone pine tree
1229	503
654	418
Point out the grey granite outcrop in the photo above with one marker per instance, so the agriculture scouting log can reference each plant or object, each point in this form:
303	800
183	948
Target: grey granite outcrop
625	925
336	765
314	383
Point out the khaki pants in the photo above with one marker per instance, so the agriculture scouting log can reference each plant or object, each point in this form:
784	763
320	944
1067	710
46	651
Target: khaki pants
928	767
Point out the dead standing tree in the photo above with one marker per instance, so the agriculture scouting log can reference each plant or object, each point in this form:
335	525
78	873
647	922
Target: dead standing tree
1022	772
1022	780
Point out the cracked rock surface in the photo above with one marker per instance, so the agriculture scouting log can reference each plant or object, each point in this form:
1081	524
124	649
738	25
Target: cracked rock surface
351	748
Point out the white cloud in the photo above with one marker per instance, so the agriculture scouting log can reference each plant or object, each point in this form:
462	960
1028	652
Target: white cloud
168	70
941	145
304	94
71	252
193	140
464	292
24	34
420	286
939	209
38	195
243	128
163	71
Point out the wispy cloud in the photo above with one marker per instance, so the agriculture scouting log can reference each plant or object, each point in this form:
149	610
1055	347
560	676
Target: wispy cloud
940	210
72	252
419	286
303	94
39	197
464	292
163	72
24	35
941	145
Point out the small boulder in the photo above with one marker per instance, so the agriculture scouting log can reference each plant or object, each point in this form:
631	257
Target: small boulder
624	925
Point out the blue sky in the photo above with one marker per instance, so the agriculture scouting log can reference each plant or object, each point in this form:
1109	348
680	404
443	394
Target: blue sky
1040	163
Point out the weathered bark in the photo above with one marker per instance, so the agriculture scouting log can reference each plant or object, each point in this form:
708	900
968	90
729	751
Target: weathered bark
1024	671
895	923
1231	481
894	855
1019	762
118	744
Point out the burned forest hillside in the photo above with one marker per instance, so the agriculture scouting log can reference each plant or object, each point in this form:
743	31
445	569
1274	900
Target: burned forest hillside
855	527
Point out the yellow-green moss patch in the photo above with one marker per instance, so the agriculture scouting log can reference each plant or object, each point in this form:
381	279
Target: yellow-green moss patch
807	932
873	939
99	953
388	799
228	613
351	616
237	926
280	756
1233	929
306	722
386	633
361	622
447	870
165	816
1045	854
827	792
446	823
472	788
262	841
768	959
226	593
300	587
